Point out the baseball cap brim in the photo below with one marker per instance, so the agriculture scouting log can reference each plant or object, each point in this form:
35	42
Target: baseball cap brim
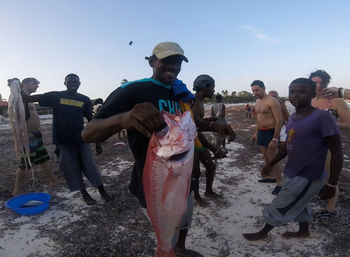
166	49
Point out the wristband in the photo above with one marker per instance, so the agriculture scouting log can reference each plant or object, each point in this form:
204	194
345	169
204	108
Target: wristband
334	186
217	151
274	139
341	92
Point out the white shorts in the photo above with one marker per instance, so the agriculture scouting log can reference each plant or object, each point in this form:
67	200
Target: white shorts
283	134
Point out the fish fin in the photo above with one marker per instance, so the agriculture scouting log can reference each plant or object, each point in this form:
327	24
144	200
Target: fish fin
169	185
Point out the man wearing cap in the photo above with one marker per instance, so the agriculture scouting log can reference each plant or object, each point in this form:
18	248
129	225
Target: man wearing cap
204	85
136	106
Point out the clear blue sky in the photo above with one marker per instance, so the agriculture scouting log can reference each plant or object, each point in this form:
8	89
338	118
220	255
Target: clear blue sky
235	42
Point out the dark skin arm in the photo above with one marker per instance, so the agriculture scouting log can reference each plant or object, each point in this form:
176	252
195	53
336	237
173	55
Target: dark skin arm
210	119
214	127
218	153
144	117
98	146
334	146
223	111
281	154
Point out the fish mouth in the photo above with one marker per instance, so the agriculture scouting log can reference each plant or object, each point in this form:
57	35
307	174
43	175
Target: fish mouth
178	156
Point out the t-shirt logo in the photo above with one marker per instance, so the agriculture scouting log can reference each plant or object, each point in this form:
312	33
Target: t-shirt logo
169	106
71	102
291	135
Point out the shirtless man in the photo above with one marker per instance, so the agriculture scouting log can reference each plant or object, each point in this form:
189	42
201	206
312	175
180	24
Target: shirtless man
269	123
204	87
218	111
38	153
304	171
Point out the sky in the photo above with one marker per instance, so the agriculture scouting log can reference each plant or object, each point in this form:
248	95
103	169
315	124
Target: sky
234	41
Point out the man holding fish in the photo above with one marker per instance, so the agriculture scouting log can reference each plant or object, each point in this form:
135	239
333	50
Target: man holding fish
38	153
140	106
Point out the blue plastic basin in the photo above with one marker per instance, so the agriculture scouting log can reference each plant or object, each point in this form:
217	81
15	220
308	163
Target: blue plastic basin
29	204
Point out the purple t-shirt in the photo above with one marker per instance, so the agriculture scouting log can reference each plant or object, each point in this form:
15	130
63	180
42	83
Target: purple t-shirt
306	147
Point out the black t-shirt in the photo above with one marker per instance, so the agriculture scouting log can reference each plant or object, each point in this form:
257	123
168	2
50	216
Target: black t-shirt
69	110
124	99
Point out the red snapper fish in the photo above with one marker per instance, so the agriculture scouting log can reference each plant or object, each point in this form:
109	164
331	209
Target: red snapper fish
167	176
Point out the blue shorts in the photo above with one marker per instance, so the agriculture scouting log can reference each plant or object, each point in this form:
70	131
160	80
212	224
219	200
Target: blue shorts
265	137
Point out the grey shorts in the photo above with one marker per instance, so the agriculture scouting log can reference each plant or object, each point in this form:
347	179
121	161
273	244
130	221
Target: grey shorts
293	201
76	160
186	218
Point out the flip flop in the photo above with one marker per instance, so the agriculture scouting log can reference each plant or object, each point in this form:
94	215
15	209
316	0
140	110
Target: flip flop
120	144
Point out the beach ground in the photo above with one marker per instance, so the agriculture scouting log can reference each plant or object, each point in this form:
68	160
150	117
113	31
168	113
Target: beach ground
118	228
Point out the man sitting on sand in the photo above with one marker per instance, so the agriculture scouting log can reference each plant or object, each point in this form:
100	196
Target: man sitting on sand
311	132
268	128
38	153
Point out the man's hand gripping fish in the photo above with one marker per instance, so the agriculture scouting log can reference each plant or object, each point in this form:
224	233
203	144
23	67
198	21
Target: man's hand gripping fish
167	177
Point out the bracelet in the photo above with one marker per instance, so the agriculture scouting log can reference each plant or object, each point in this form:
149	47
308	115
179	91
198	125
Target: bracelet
217	151
334	186
341	92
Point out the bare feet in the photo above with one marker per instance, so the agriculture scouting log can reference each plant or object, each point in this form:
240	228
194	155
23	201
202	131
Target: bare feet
289	235
16	193
255	236
213	195
89	200
104	194
106	197
55	182
187	253
201	202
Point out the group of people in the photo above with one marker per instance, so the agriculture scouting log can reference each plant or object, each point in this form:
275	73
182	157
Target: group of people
136	105
310	138
75	157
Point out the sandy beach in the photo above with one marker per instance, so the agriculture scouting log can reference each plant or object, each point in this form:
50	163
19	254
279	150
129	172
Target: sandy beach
118	228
